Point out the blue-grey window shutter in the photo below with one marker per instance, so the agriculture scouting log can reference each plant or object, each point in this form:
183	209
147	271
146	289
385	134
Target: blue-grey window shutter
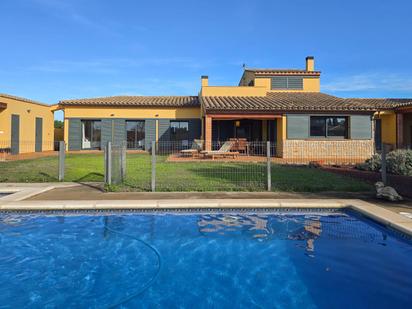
195	128
119	131
279	82
150	133
295	82
75	134
164	130
360	127
106	131
297	126
15	134
39	134
287	82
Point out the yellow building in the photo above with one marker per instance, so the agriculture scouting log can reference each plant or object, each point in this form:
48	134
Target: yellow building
91	123
283	106
25	125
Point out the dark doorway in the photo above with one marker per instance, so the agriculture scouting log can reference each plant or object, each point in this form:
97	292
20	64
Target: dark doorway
272	131
249	129
378	134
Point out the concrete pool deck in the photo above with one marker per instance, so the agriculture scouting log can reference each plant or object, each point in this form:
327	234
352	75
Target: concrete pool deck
70	196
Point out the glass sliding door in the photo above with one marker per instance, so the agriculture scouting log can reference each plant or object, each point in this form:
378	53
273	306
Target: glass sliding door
135	134
91	134
179	132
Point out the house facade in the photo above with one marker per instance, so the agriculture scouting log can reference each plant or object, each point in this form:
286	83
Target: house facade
283	106
25	126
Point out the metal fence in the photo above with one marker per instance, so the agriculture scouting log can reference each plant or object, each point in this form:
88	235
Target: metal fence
234	165
25	161
218	166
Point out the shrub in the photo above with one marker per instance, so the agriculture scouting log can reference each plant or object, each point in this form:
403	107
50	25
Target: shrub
374	163
399	162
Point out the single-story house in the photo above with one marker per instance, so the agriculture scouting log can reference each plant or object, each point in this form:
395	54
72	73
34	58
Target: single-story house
25	125
284	106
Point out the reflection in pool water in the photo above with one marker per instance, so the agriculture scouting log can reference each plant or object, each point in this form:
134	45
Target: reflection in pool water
260	226
282	260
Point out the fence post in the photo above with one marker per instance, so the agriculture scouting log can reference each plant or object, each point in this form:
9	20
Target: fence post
62	157
383	167
153	166
108	163
269	173
123	161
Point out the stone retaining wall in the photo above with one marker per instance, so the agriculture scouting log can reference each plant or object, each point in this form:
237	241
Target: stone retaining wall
328	151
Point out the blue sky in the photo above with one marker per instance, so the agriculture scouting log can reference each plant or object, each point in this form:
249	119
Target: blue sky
52	50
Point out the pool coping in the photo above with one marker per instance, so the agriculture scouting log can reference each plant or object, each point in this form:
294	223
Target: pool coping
372	211
22	191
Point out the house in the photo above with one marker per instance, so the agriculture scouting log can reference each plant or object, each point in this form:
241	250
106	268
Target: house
283	106
25	125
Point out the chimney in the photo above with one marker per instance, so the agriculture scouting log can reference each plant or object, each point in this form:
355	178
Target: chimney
310	63
205	80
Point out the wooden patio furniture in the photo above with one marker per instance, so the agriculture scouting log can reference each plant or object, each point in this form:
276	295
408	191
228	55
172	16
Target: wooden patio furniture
196	147
240	145
224	151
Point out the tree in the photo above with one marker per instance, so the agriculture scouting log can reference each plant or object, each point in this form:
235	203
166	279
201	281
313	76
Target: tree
58	124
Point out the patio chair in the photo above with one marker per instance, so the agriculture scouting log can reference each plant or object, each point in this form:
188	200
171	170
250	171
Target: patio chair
240	144
224	151
197	146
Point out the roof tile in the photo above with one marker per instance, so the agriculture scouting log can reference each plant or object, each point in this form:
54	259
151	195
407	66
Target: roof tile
296	101
143	101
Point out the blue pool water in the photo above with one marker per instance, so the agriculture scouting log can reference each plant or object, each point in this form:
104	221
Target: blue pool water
219	260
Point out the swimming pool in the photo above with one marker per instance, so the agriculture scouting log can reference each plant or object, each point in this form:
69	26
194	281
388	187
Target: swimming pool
199	260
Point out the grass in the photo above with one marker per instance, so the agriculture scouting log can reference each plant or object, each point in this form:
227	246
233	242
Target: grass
181	176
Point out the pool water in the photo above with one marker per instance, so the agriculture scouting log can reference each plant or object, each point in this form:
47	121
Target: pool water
220	260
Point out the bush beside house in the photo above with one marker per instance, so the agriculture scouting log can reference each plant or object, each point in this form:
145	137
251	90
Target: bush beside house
398	162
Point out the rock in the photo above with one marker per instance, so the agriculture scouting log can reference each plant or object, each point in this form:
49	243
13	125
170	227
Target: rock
386	192
315	164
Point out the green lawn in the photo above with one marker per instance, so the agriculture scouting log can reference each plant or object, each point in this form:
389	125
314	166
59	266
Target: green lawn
182	176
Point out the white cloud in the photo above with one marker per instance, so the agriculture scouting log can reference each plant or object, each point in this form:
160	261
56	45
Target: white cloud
369	82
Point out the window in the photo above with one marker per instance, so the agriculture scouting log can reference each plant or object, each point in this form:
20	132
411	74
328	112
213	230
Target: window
179	131
91	134
135	134
287	82
335	127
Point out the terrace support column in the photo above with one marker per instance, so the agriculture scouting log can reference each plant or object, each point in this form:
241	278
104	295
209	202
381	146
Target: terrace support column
265	136
399	130
208	132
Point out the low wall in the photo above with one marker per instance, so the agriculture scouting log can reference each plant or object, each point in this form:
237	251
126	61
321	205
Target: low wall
328	151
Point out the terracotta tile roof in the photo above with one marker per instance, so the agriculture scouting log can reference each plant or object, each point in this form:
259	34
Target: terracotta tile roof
290	101
144	101
9	96
384	103
273	72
